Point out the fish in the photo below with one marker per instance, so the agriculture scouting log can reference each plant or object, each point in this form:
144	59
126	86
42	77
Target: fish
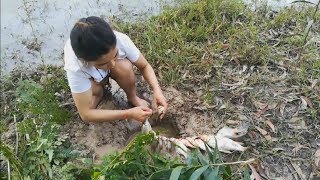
179	151
233	133
227	145
210	140
191	141
187	143
146	127
179	144
224	144
223	140
160	110
200	144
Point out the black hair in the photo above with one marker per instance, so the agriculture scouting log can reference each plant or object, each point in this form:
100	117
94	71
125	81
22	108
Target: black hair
91	38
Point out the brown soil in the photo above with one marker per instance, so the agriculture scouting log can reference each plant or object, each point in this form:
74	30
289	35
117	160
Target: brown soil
102	138
189	115
285	152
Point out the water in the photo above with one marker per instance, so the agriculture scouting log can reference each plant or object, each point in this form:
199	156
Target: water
52	20
274	4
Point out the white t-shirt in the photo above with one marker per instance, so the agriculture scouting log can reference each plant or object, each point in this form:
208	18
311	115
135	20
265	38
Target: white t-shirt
78	74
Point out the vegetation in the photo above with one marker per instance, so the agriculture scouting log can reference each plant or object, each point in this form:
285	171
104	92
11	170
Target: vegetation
136	162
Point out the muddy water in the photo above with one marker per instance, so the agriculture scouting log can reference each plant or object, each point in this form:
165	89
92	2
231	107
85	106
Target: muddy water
26	24
163	129
50	21
274	4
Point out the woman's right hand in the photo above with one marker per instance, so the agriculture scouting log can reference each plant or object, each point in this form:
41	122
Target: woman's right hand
140	113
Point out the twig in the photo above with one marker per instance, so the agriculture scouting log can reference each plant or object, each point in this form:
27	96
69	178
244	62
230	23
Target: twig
292	171
231	163
237	162
298	170
17	134
9	173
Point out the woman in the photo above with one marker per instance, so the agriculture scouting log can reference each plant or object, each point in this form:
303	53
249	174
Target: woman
92	54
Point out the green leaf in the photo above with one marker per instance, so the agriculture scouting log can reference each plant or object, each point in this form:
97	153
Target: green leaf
209	153
49	169
187	172
246	174
163	174
176	173
176	165
217	154
227	173
12	158
207	172
214	175
50	154
86	161
96	175
201	158
42	142
192	159
57	162
197	173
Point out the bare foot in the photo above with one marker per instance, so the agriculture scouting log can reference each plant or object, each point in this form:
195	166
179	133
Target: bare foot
136	101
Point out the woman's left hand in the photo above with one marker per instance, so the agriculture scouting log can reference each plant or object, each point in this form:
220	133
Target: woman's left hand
160	100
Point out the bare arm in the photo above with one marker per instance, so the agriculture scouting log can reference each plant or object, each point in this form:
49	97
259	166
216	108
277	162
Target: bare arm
83	103
149	75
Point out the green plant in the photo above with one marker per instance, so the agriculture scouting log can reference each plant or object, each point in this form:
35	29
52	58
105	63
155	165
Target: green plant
41	148
137	162
34	101
13	160
54	79
134	161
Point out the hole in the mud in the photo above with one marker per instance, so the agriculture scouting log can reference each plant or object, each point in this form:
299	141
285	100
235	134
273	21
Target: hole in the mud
166	127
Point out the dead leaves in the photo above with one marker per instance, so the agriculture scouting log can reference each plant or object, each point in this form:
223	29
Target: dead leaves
254	174
306	102
262	111
234	85
225	46
298	170
258	171
314	83
260	115
282	107
297	123
317	159
297	147
269	123
264	133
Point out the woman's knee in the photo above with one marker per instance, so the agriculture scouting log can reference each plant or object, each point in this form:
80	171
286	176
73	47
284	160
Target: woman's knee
96	88
122	67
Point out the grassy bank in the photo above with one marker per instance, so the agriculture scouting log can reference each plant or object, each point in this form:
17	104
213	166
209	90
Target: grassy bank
199	38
